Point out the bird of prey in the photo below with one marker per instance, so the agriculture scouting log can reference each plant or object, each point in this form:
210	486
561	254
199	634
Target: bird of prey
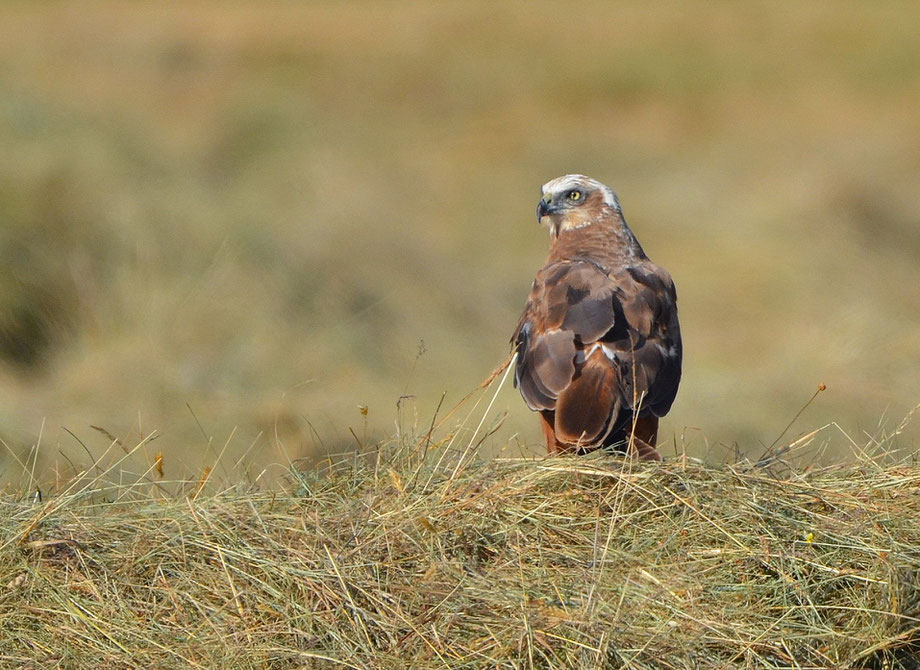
598	345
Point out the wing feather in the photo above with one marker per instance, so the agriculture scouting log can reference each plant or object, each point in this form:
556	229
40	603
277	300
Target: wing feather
592	344
586	408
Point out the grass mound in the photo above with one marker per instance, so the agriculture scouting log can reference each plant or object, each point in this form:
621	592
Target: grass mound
445	561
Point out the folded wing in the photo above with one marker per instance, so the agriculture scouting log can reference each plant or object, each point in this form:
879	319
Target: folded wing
592	345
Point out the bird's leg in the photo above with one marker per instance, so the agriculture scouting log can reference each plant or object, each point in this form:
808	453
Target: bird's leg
644	437
547	422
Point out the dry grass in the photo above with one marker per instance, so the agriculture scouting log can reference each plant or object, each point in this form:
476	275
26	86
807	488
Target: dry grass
259	209
420	554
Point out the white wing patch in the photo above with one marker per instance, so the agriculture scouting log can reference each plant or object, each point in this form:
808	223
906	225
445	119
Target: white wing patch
608	352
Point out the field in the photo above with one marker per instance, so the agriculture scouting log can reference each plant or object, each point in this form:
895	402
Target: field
253	254
250	219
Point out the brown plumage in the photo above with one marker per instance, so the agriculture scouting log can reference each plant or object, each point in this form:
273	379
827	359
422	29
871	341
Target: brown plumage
599	350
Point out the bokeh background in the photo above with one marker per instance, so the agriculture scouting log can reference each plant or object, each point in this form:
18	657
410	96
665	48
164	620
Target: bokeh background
238	223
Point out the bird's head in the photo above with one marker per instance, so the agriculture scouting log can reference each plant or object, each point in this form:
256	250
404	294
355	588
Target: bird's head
574	201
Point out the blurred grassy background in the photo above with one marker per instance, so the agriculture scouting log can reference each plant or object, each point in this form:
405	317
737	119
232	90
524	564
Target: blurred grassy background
260	211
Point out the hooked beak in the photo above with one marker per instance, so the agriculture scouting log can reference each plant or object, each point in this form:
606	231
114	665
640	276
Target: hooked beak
543	207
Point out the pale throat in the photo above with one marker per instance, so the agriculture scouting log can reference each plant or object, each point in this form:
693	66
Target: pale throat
573	223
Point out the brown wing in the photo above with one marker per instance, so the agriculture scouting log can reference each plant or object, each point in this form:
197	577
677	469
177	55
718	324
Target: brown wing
590	345
650	351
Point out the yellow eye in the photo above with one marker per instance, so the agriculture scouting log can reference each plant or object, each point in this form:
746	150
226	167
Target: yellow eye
574	195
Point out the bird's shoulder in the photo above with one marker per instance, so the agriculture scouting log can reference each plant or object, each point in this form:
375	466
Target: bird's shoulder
561	292
647	295
585	296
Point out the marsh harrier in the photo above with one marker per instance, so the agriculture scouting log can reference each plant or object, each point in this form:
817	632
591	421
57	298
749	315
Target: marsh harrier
599	349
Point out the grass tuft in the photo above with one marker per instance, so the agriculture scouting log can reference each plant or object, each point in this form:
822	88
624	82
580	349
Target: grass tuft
422	555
